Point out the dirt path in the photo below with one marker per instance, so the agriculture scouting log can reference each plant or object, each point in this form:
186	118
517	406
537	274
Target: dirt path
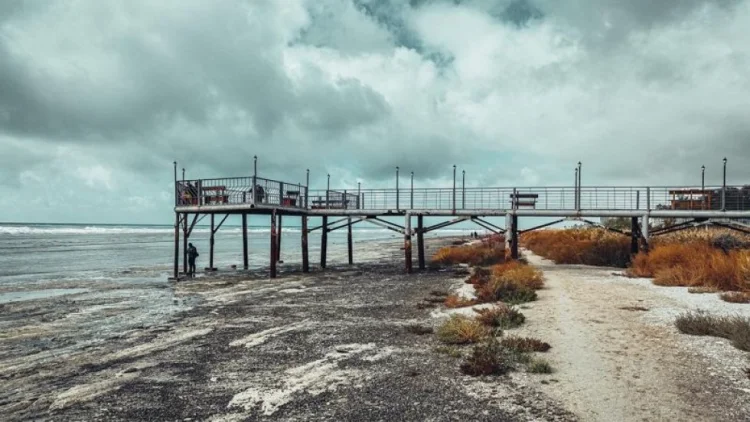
619	359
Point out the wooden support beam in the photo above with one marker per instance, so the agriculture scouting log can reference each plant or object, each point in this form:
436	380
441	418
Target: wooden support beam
382	224
273	244
482	224
328	224
176	268
542	226
244	242
514	236
278	242
305	260
496	228
407	242
445	224
634	235
420	241
349	241
645	232
211	242
184	243
324	242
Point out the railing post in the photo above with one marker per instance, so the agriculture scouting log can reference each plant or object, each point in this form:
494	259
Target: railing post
411	201
307	189
648	199
463	189
638	199
176	191
359	193
397	193
281	193
454	189
254	188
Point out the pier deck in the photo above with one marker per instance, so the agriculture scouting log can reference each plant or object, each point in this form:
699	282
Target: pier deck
689	206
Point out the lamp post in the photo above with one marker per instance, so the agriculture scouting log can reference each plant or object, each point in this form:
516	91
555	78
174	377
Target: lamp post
703	187
454	188
579	186
397	193
575	189
328	188
307	187
724	188
463	189
411	201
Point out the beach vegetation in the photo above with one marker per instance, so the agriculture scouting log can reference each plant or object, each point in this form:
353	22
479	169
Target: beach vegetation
460	329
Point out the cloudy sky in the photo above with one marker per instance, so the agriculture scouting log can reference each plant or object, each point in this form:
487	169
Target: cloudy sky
97	98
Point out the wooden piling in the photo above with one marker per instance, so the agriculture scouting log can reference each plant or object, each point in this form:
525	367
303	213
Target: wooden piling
634	235
305	260
274	238
278	242
324	242
420	241
184	244
407	242
349	241
176	268
211	246
244	242
514	236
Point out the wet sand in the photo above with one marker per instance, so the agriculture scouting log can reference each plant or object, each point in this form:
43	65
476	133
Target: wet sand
331	345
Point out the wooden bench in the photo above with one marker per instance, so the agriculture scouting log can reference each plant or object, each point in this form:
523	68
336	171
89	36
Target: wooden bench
290	199
215	195
331	204
523	200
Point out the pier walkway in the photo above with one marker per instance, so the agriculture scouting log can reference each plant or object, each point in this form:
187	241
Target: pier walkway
675	207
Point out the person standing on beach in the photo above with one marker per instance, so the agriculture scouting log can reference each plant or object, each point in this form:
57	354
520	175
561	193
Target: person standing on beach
192	254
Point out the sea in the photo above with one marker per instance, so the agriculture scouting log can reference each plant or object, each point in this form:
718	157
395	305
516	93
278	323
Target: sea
43	260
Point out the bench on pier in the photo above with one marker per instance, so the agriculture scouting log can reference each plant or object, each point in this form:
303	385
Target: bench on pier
321	203
523	200
215	195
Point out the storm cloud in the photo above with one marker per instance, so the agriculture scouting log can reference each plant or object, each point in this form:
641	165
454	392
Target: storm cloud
97	98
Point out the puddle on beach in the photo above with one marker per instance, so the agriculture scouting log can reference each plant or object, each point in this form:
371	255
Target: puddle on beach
37	294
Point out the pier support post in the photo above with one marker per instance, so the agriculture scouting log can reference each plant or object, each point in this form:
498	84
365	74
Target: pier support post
273	244
184	243
644	232
305	260
407	242
278	242
323	242
244	242
211	242
634	237
176	268
349	241
514	236
420	241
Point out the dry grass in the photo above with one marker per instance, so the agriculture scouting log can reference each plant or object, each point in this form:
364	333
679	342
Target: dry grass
485	253
695	264
702	289
501	316
735	297
486	358
525	344
455	301
539	366
734	328
588	246
460	329
512	282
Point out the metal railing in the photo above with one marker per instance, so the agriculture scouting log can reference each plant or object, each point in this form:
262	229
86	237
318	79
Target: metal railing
240	190
261	191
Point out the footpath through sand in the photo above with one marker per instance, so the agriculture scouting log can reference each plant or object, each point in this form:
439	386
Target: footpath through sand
619	357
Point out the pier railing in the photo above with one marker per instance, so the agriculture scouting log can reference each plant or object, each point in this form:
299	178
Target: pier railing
261	191
240	190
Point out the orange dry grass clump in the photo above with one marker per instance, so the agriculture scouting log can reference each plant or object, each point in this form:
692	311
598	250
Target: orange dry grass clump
512	281
455	301
588	246
694	263
485	253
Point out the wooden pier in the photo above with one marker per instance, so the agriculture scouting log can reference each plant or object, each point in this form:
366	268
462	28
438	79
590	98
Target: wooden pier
725	206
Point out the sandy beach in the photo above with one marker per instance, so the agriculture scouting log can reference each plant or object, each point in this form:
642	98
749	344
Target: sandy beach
334	345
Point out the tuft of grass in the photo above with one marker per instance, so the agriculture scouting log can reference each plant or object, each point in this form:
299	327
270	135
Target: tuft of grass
501	316
735	297
525	344
702	289
455	301
511	282
460	329
734	328
451	351
539	366
419	330
487	358
480	276
588	246
485	253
